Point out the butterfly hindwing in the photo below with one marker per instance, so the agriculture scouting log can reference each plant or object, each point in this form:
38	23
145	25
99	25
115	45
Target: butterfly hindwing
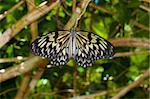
91	47
53	46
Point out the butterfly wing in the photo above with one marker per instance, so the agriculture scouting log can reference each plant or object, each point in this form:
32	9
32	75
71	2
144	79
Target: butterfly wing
53	46
91	47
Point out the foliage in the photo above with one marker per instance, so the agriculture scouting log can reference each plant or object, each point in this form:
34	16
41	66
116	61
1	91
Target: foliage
106	74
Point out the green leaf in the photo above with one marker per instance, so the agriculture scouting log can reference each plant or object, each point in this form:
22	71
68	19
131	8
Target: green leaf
138	58
10	51
10	18
100	69
80	69
133	4
133	68
100	29
112	84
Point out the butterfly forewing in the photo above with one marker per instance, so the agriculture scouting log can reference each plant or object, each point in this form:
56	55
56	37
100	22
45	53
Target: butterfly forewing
84	47
91	47
53	46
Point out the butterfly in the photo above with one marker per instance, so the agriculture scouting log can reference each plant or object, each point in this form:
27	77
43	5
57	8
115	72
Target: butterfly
84	47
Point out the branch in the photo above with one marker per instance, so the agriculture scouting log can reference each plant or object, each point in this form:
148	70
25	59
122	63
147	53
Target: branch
123	54
132	85
15	59
11	10
92	96
36	96
131	42
22	68
26	20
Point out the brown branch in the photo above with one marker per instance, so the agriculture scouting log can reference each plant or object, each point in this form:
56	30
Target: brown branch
22	68
26	20
23	86
52	93
14	59
100	93
132	85
131	42
11	10
123	54
34	26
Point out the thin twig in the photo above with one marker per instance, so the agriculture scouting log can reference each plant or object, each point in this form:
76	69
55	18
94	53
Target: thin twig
139	25
132	85
100	8
23	86
64	9
8	91
11	10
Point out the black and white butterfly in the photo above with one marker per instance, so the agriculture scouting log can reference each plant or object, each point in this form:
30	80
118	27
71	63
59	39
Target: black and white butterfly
84	47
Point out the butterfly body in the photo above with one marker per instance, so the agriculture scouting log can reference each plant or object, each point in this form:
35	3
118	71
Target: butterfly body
84	47
72	47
